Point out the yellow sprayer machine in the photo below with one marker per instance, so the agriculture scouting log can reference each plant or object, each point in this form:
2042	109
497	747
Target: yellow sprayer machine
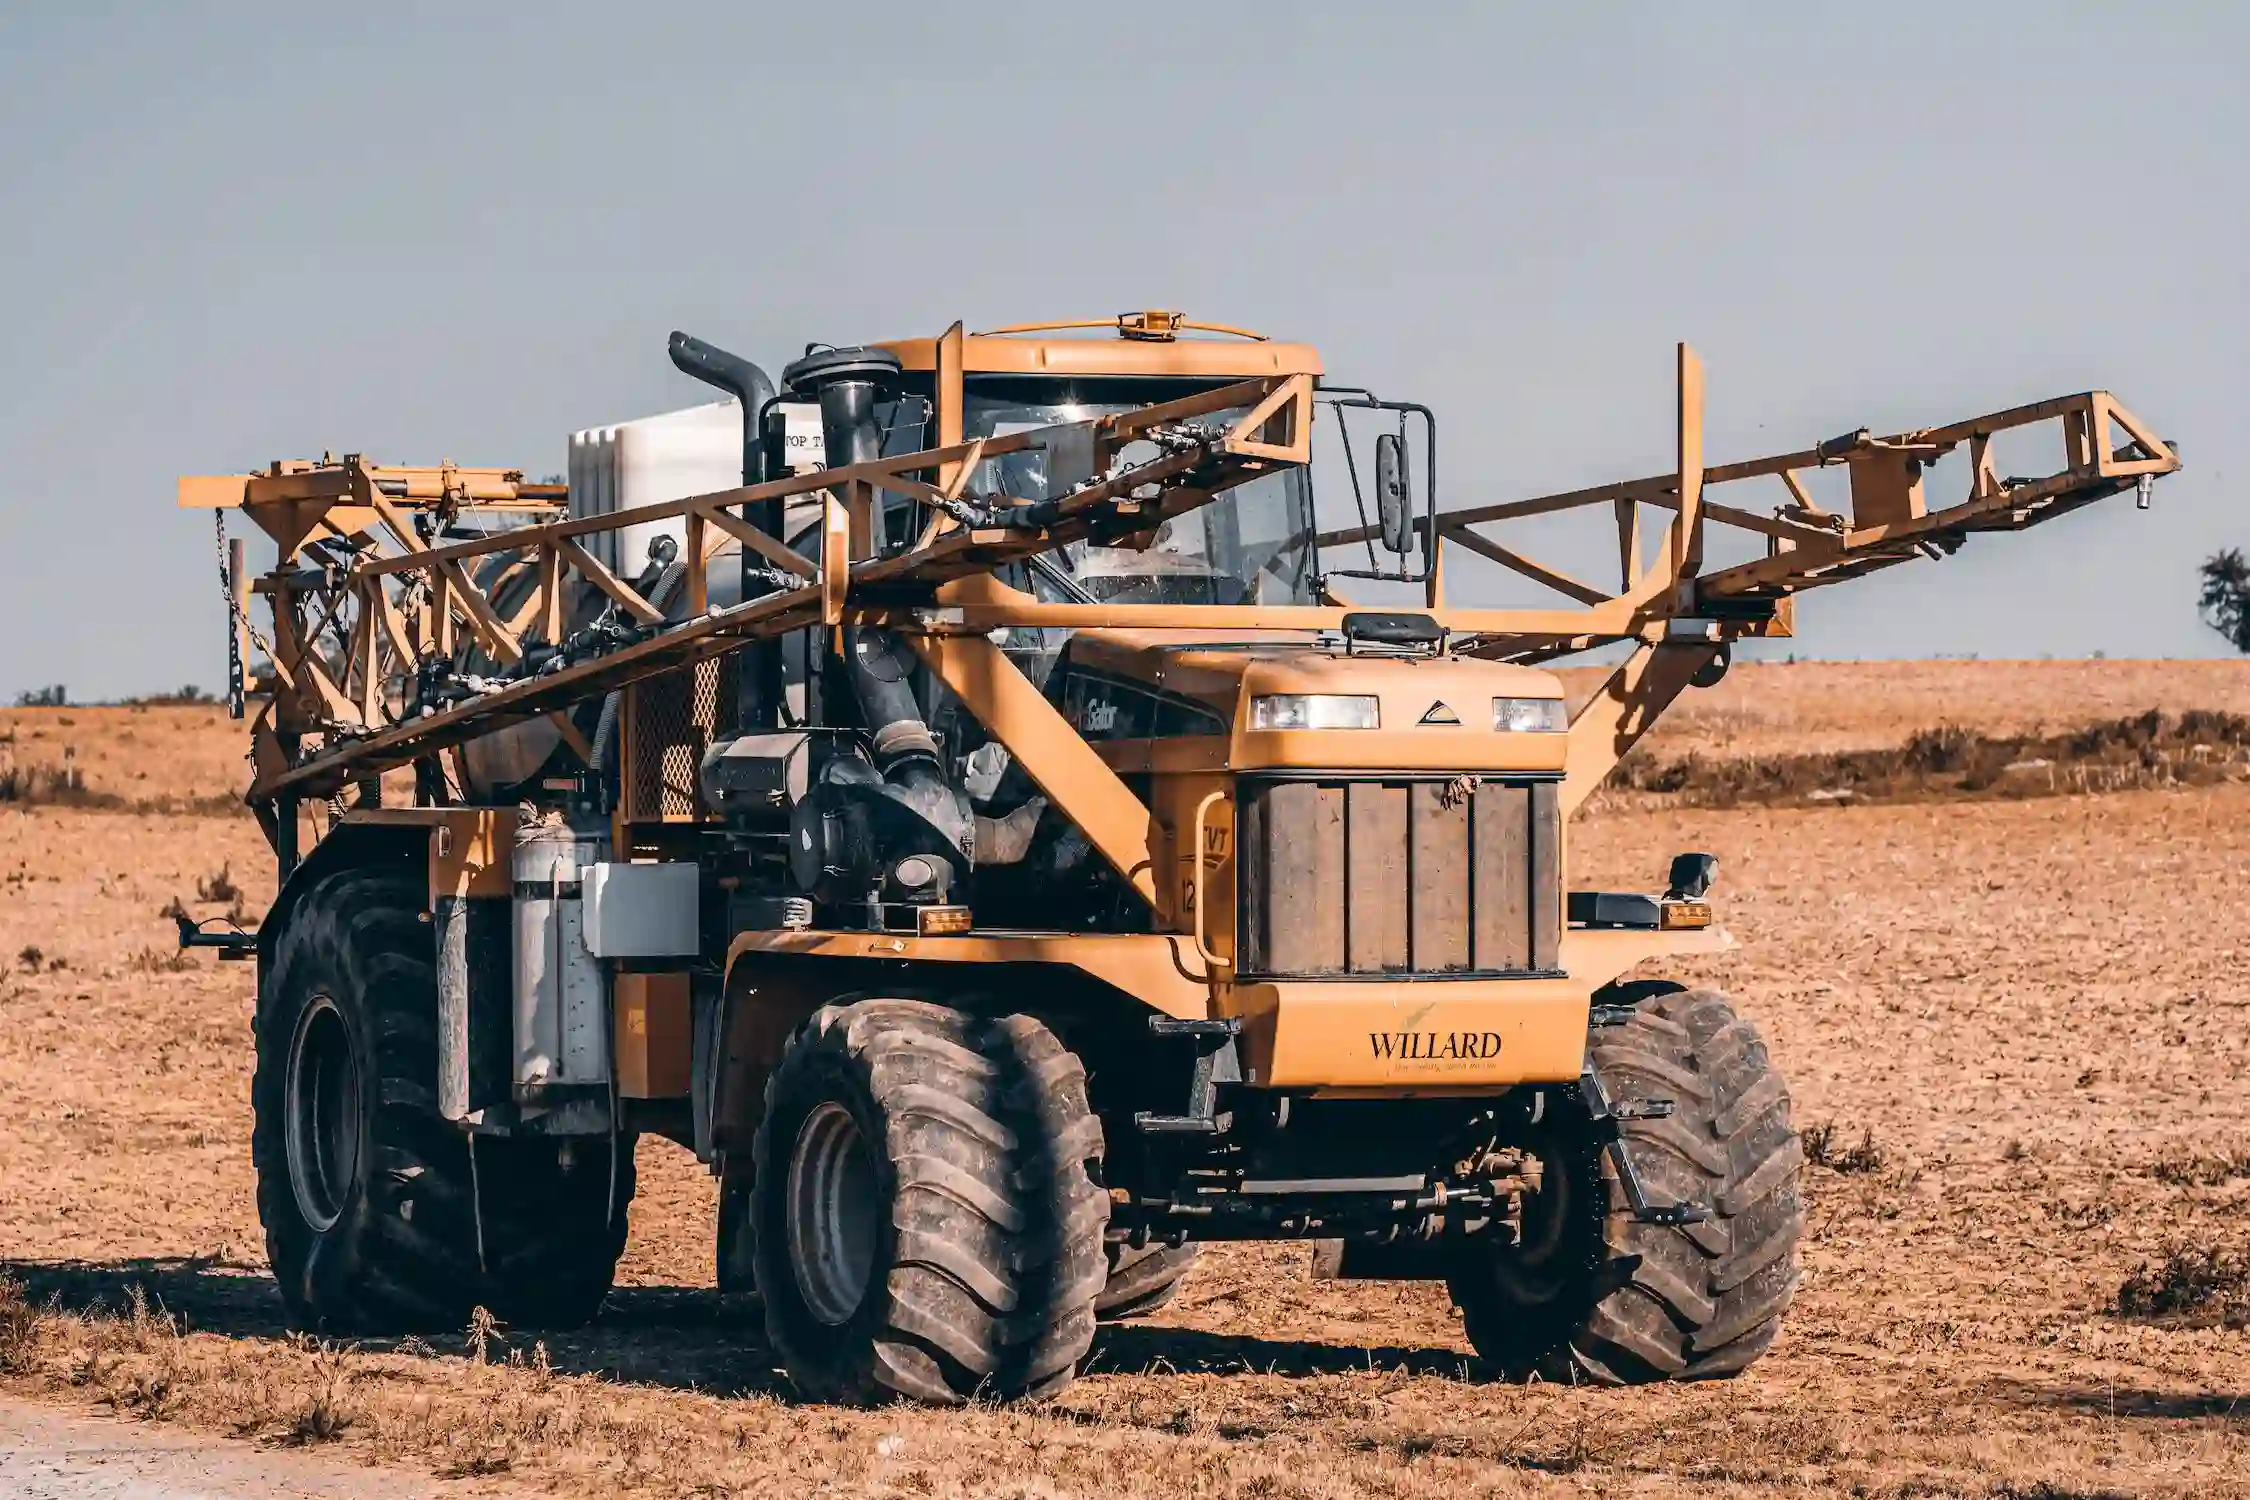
991	838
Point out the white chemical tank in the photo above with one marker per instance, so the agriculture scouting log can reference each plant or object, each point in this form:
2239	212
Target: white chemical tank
696	450
670	456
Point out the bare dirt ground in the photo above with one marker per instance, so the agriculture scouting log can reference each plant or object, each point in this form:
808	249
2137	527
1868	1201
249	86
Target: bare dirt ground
1785	708
51	1455
2025	1022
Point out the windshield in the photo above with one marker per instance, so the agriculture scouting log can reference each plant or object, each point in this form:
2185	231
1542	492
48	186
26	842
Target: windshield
1252	545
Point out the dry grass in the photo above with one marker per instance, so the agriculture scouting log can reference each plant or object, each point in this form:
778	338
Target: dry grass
2203	1167
176	755
2153	750
1387	1426
2193	1286
219	888
2024	1021
20	1329
51	786
1823	1149
1803	708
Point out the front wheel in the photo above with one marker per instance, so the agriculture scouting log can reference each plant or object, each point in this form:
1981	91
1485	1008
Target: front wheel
925	1216
1591	1293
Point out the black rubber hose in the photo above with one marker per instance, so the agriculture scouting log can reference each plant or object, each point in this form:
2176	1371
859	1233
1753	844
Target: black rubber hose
883	681
605	732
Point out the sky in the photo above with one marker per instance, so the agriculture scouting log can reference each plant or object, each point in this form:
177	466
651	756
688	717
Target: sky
233	232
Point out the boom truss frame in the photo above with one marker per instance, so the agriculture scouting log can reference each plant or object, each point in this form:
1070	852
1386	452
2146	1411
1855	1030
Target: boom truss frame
361	599
368	589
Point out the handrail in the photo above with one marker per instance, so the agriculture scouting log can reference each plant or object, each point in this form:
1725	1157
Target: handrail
1195	926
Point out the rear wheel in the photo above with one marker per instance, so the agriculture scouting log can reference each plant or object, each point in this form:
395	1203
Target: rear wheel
925	1219
370	1199
1143	1280
1590	1292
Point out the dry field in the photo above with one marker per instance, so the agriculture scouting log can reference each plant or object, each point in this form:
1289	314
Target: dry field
1776	708
2025	1022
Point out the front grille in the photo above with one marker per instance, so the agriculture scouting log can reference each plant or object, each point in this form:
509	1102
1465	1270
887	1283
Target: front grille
1365	877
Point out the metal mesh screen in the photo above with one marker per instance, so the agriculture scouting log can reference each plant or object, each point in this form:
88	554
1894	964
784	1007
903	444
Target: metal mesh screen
670	720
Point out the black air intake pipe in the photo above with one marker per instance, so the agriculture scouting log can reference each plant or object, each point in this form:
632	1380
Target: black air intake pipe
897	831
761	683
848	383
882	678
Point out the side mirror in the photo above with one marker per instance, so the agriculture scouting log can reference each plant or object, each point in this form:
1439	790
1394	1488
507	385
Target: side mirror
1394	491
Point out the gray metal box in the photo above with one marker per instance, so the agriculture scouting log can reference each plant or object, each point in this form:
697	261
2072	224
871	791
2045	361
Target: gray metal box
643	911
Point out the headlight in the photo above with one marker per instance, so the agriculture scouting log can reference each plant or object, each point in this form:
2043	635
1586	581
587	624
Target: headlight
1529	715
1315	711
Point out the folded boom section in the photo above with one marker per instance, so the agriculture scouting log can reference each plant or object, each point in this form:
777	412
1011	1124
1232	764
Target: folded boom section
377	581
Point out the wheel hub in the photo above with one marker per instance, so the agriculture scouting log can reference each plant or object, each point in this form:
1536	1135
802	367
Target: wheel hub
833	1214
323	1110
1536	1268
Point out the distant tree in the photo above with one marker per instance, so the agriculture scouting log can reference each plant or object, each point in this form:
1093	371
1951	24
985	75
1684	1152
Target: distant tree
56	696
2226	596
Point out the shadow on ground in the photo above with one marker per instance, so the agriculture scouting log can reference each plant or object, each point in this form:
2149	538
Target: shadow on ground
2128	1401
1149	1348
681	1337
653	1335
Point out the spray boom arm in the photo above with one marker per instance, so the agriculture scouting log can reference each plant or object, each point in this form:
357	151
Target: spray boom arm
369	590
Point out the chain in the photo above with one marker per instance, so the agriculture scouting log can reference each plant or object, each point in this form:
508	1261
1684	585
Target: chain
235	614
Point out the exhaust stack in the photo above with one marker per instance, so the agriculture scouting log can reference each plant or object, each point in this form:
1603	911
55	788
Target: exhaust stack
761	682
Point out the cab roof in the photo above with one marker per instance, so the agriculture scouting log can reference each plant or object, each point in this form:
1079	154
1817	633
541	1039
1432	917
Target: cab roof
1144	343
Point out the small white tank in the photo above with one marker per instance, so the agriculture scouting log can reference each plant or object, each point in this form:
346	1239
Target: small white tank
670	456
561	1007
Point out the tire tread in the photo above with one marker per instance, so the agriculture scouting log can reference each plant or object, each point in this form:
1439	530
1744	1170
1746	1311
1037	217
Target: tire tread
1663	1302
996	1219
405	1258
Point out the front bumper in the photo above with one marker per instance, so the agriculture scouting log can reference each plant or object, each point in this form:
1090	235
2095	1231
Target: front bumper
1383	1037
1441	1035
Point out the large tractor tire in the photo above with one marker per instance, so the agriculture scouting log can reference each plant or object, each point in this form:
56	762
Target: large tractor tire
1143	1280
371	1200
925	1214
1593	1294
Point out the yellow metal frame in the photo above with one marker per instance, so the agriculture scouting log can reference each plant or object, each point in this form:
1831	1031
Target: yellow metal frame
359	598
403	598
344	635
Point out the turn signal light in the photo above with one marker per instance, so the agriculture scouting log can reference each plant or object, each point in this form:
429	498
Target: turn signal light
1671	915
940	921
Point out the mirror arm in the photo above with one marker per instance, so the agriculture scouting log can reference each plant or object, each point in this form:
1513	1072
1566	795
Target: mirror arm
1358	396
